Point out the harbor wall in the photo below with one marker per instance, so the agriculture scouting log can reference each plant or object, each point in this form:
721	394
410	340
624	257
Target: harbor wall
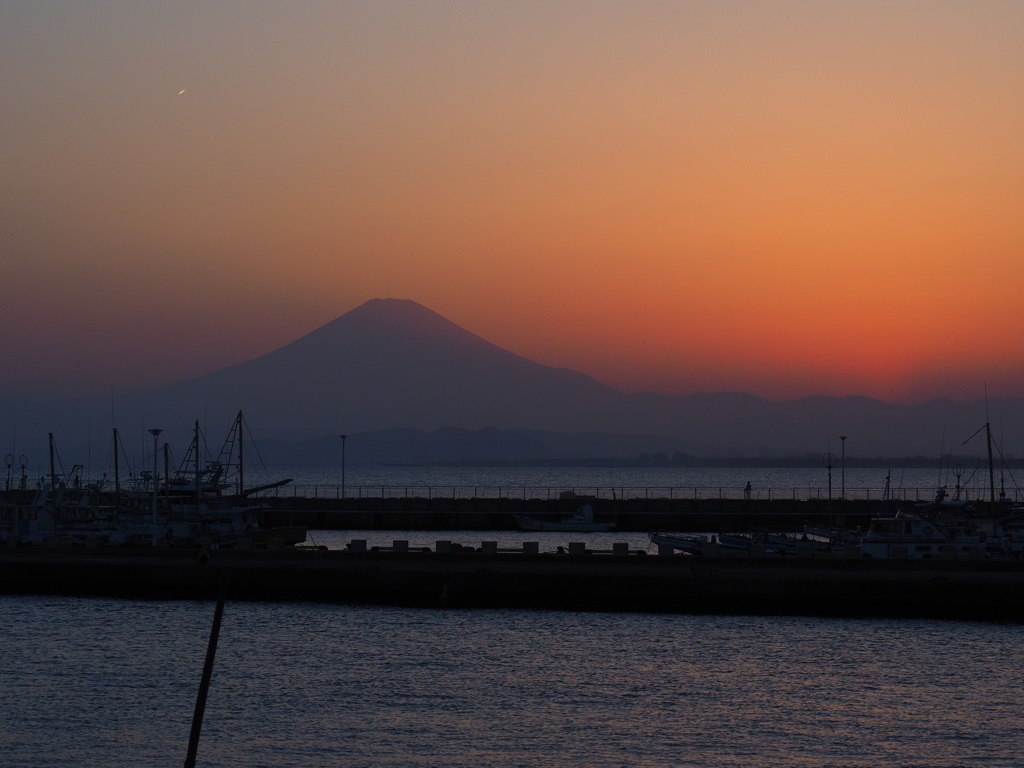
639	514
835	586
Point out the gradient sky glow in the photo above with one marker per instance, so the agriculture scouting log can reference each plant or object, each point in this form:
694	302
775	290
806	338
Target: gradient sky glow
785	198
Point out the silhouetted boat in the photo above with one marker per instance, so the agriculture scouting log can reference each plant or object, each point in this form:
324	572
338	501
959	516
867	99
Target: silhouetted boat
201	504
583	521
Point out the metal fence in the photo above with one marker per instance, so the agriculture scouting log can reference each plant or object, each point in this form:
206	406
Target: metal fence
608	492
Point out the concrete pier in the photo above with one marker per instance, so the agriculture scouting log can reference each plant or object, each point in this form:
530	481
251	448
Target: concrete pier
580	580
496	514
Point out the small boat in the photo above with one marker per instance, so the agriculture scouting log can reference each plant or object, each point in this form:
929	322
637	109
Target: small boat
687	543
732	543
583	521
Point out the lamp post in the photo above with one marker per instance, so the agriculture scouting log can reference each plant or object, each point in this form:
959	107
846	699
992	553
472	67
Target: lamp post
343	439
156	436
842	439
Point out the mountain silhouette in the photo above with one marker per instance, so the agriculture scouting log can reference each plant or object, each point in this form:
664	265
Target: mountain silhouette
395	364
392	365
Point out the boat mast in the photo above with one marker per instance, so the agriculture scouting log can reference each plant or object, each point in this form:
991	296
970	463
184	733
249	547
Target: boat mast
53	485
241	463
991	469
53	470
117	474
198	481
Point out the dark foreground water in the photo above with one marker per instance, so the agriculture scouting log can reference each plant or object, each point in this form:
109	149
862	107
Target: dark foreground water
98	682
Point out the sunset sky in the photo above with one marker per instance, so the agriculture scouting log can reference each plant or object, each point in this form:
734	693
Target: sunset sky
785	198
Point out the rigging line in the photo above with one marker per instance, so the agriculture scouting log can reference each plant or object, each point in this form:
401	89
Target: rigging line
965	442
255	445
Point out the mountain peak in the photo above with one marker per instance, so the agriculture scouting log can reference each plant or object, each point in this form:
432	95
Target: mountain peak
390	309
380	322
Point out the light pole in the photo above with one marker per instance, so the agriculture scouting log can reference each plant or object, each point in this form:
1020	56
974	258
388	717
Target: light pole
343	439
156	436
842	439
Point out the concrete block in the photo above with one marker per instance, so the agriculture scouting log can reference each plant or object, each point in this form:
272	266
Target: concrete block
577	548
531	547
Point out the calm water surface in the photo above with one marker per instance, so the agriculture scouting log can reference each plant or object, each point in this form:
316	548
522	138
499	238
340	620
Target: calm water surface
101	682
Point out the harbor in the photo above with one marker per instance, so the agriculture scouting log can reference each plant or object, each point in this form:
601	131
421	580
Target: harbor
572	545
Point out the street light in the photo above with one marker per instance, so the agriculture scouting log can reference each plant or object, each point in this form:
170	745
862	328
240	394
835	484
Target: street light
842	438
156	436
343	438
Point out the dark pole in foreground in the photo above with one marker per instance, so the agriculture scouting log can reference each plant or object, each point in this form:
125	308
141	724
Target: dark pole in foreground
204	684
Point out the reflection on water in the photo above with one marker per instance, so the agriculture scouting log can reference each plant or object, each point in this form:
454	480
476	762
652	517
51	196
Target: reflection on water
105	682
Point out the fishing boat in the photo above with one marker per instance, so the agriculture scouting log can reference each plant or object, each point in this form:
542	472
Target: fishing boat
202	503
583	521
950	528
210	504
911	534
60	500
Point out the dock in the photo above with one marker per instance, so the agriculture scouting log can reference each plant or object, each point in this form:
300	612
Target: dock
620	580
441	513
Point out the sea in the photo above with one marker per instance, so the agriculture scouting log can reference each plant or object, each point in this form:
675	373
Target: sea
104	682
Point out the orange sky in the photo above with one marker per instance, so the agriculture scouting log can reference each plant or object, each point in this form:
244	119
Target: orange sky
784	198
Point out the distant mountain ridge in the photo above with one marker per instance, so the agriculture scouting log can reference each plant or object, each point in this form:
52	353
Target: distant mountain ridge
393	364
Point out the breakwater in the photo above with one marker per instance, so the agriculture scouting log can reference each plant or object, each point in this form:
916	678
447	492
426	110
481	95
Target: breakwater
618	581
632	514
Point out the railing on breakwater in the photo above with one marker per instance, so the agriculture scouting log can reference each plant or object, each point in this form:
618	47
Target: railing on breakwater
335	491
